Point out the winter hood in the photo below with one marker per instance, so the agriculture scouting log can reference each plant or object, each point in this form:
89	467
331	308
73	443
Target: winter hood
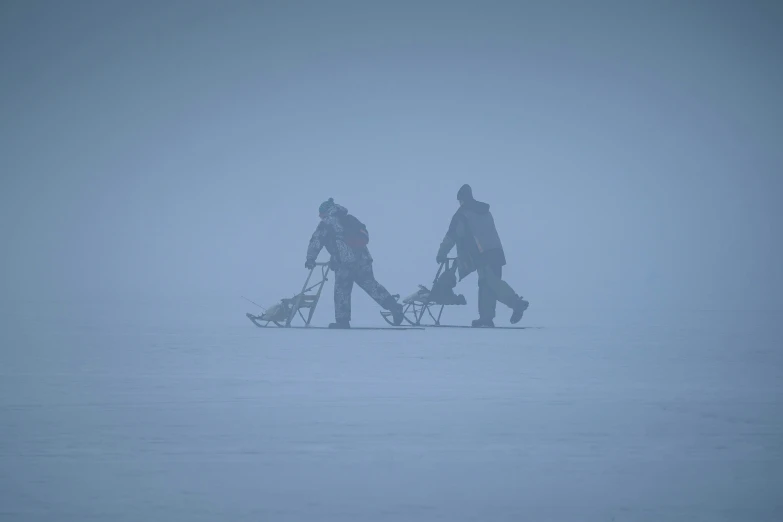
475	206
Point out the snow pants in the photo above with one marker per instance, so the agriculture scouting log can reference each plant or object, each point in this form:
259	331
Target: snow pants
492	289
361	273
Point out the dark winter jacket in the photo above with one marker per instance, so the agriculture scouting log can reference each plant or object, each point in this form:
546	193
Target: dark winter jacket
330	235
472	230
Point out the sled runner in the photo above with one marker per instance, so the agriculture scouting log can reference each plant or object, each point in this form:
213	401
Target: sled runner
351	329
484	327
425	300
283	313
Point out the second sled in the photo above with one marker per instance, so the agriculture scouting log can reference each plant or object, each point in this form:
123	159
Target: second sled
431	301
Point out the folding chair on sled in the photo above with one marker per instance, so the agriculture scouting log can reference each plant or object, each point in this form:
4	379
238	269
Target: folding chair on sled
424	300
283	313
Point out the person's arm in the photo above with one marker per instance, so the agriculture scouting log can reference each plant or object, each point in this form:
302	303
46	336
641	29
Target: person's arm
449	240
317	241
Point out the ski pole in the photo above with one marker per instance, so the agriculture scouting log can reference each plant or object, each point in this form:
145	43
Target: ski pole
258	305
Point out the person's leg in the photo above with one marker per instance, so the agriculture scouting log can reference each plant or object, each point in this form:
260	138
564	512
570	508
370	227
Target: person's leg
504	293
487	300
500	290
492	299
365	278
343	286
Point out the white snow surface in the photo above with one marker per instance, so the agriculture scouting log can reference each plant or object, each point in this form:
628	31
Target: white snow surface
194	416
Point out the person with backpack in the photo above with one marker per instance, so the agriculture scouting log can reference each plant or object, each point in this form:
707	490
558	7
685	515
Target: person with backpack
472	230
345	239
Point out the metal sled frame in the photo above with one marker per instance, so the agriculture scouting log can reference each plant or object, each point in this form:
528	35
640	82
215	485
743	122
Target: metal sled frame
301	300
414	308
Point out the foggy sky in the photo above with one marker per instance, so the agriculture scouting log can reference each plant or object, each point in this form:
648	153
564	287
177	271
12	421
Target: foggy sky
632	153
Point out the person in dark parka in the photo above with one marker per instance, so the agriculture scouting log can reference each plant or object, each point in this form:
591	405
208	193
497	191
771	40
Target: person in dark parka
472	230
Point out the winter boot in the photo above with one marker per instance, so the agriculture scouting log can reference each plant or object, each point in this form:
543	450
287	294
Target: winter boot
397	315
343	324
483	323
519	309
395	308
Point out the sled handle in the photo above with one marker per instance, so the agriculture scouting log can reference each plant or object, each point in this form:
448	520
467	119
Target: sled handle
444	265
298	298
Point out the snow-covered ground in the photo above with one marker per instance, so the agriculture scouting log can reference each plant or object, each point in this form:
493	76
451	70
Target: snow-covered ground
176	419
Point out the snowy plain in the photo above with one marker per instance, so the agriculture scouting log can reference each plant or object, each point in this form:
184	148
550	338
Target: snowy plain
186	413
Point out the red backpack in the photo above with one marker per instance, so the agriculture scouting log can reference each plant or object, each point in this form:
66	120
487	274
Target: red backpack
355	232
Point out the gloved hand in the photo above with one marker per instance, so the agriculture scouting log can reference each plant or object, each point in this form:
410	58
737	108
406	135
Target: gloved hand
441	259
333	264
310	264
